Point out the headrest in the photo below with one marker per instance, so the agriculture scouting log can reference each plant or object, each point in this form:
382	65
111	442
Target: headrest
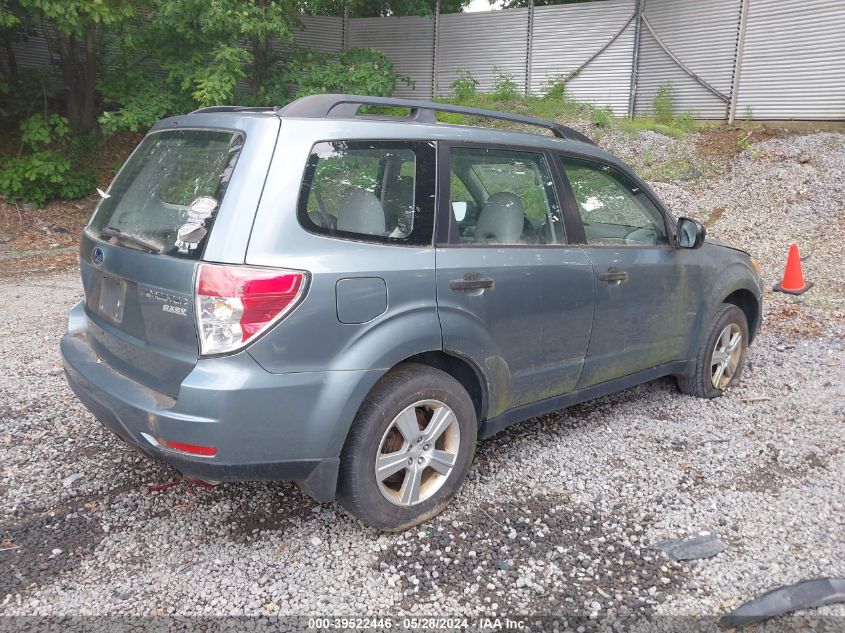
501	219
360	212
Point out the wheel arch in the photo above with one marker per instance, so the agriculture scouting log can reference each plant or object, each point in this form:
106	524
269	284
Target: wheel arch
736	286
745	300
461	369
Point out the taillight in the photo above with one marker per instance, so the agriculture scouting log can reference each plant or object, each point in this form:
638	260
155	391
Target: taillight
237	303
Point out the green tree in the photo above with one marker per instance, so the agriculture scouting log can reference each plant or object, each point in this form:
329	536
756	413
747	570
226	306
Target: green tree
359	71
380	8
519	4
211	45
189	53
10	24
75	41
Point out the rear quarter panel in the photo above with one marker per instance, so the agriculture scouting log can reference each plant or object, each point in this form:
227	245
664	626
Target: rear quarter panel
312	337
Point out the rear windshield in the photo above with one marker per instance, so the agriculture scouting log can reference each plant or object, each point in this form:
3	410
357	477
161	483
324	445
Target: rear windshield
167	194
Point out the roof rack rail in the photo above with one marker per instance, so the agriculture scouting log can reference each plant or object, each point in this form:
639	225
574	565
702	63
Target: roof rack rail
346	107
212	109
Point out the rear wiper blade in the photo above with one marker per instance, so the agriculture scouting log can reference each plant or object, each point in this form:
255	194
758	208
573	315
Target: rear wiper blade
137	241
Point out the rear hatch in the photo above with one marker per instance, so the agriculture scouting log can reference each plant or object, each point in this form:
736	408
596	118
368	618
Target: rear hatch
139	252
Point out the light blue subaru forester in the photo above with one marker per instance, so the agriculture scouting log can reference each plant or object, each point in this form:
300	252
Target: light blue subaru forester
350	301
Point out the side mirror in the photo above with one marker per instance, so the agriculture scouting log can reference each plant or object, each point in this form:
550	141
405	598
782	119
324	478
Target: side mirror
691	233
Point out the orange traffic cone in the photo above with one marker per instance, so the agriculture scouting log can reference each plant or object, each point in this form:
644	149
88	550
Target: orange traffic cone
793	277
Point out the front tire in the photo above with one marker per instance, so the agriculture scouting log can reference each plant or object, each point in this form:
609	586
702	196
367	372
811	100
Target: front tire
409	449
721	357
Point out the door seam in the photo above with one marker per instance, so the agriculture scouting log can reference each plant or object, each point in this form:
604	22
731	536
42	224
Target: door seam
437	302
593	323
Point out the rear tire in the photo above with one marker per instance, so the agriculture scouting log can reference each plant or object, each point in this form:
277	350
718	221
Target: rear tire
394	472
721	357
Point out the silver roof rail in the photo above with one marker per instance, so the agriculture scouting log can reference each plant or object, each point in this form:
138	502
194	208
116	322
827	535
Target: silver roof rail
338	106
213	109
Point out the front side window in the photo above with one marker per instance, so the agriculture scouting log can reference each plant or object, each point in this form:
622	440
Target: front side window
381	191
166	196
614	211
503	197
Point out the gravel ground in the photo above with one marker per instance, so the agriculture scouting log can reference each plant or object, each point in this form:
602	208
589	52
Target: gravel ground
558	512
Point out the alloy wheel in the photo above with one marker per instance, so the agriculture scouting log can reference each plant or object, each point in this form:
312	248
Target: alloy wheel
417	452
726	356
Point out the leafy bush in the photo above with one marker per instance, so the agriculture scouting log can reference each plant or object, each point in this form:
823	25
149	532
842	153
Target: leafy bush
685	122
135	95
37	131
358	71
555	88
27	93
140	110
602	117
464	87
504	87
663	104
46	170
138	96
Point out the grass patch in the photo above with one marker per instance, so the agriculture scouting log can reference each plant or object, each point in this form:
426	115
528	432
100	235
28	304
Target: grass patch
669	130
671	170
677	128
554	105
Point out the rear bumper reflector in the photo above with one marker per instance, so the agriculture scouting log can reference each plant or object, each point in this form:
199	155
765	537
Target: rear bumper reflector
182	447
193	449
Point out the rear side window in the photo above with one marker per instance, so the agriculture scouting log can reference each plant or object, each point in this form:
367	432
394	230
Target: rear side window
167	194
379	191
503	197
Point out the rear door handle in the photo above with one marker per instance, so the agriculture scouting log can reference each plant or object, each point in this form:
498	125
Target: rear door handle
613	276
471	284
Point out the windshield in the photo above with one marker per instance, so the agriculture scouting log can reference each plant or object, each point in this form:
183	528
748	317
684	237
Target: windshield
166	196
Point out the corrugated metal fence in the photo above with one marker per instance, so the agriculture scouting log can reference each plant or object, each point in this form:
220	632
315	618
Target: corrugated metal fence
567	36
792	60
478	43
703	36
324	33
407	41
765	59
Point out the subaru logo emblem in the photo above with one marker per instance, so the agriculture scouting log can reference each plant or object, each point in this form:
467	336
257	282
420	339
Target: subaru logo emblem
97	255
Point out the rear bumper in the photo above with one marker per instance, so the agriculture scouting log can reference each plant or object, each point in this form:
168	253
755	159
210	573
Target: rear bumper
264	426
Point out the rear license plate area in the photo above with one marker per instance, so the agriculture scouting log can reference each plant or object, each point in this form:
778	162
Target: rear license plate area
112	298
